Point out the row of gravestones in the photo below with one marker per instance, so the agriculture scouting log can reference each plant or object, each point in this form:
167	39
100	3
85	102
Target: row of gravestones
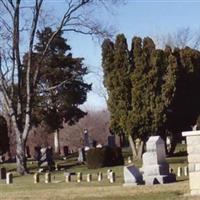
79	178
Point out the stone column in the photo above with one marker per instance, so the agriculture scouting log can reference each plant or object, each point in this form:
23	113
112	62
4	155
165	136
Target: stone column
193	150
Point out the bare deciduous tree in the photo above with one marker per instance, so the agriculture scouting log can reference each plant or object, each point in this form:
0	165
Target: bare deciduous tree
181	38
17	36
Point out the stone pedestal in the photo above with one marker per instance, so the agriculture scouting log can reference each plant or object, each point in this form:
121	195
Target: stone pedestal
193	150
155	168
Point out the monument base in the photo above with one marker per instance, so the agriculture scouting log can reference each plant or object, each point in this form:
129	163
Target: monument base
160	179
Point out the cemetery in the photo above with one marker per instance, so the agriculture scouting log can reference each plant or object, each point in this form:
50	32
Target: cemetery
99	100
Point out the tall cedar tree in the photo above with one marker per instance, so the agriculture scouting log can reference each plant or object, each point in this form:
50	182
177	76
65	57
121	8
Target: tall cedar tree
185	107
140	93
116	79
109	82
61	87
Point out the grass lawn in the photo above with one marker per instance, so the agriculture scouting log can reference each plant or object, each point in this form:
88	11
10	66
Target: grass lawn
23	188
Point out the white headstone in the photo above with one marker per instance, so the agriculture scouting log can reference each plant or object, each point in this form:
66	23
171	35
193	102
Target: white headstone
155	168
132	176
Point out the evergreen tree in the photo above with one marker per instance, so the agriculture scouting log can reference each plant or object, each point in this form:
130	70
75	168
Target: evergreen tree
61	86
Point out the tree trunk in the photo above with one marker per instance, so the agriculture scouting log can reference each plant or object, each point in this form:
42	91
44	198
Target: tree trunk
140	150
56	142
132	145
21	157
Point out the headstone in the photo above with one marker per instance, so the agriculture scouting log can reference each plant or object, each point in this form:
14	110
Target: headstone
108	173
86	139
89	177
111	141
129	160
28	155
68	178
2	173
2	158
112	177
132	176
81	155
48	178
9	178
79	177
179	171
100	176
46	159
99	146
36	178
186	171
65	150
155	168
193	146
37	153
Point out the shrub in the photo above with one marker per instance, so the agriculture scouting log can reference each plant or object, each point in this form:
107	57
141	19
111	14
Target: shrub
102	157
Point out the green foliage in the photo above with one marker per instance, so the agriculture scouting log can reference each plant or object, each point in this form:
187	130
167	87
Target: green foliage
4	139
102	157
116	79
61	88
150	90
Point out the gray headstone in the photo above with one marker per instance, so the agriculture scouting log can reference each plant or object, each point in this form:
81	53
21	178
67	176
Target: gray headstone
111	141
86	138
155	168
46	159
81	155
132	176
2	173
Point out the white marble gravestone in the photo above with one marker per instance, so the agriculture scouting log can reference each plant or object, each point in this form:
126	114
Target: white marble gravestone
132	176
193	150
155	168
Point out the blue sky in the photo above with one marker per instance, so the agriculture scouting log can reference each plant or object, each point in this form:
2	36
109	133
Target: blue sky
141	18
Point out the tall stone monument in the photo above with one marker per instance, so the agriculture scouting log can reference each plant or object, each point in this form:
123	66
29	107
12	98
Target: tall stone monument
155	169
193	150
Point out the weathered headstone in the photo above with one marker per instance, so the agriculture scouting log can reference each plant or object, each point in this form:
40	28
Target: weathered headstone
9	178
68	178
81	155
108	173
100	176
112	177
193	150
65	150
89	177
36	178
37	153
86	140
79	177
46	159
155	168
186	171
48	178
129	160
28	155
2	173
132	176
179	171
111	141
2	158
